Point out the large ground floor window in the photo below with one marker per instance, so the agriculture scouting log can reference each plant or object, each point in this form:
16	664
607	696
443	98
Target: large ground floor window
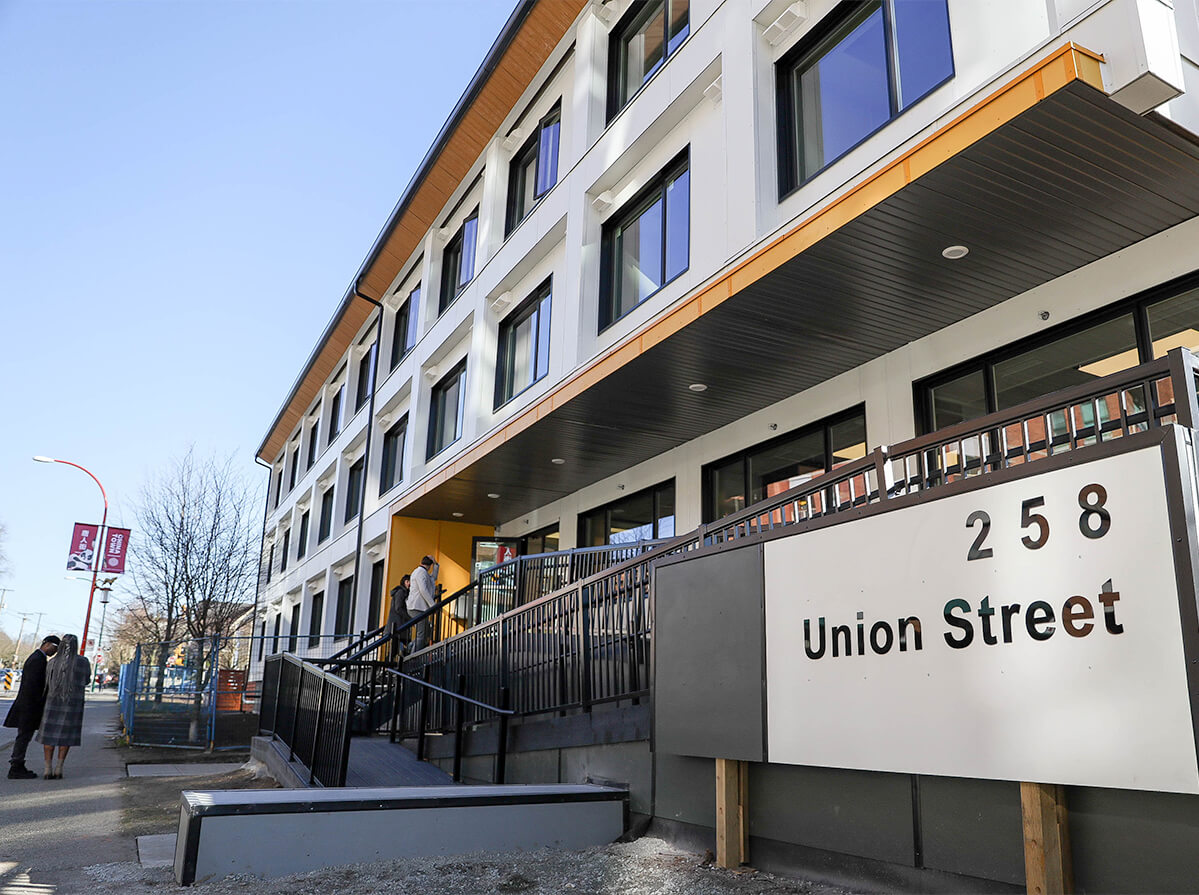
1118	337
777	465
643	516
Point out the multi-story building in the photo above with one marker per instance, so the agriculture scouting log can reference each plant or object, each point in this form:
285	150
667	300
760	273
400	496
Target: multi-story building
667	259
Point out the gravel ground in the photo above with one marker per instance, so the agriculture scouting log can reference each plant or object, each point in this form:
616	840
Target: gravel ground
645	867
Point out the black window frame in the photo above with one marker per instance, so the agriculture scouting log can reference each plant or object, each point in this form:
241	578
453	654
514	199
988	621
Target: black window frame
344	607
606	509
402	342
270	563
529	156
286	548
391	457
336	411
652	192
454	252
325	522
707	490
314	443
316	619
293	629
295	466
366	376
504	371
375	604
354	489
814	45
275	633
302	539
279	485
1137	305
619	96
432	449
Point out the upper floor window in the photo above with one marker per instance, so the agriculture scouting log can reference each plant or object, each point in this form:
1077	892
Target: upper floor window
354	489
286	550
858	68
325	527
458	262
335	413
534	169
777	465
403	334
302	542
646	244
366	377
270	563
391	472
314	441
295	466
446	409
523	354
279	485
640	44
316	619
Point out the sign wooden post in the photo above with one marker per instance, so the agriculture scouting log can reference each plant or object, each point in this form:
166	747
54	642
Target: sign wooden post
732	812
1047	868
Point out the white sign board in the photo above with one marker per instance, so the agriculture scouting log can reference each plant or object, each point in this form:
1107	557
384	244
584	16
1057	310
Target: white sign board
1024	631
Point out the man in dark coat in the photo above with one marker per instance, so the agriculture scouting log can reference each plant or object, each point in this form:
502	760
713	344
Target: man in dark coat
26	712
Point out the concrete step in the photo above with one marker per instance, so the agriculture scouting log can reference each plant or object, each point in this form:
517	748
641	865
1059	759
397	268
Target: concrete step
271	833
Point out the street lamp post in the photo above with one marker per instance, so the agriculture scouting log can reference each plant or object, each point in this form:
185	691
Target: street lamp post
96	554
104	594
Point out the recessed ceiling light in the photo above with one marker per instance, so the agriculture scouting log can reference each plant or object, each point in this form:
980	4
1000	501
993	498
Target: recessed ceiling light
953	253
493	495
698	387
557	461
456	515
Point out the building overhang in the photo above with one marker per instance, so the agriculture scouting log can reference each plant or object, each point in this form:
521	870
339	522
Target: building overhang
1040	178
529	37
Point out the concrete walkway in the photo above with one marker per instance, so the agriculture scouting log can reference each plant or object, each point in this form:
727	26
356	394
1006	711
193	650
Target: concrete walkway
51	829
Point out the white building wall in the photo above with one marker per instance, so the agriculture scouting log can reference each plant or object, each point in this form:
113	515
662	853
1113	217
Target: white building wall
715	97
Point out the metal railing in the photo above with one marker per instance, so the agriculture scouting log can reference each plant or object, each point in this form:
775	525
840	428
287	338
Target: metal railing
588	642
402	685
309	710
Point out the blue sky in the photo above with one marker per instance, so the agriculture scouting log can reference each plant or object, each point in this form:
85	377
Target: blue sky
186	190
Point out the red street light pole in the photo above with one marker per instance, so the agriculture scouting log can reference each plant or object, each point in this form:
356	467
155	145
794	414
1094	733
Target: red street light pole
96	554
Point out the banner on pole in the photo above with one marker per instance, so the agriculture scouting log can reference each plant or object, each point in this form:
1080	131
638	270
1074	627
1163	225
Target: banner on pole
116	542
83	547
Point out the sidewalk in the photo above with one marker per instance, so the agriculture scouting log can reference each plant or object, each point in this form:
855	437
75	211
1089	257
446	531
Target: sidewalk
51	829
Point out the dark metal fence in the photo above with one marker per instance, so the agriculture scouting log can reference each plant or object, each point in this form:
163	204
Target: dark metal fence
309	710
588	642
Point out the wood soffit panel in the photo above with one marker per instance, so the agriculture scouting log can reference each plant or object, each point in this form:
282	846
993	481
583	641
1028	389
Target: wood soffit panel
1028	175
537	36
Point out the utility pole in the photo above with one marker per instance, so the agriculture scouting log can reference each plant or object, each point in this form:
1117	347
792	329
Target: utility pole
25	617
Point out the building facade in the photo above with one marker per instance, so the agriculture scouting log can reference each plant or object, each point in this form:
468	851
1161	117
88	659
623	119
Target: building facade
668	259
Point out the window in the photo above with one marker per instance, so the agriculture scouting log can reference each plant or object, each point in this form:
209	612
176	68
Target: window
275	634
777	465
403	335
278	486
646	244
534	168
543	540
293	629
1114	339
302	545
458	262
366	377
858	68
262	640
316	620
354	489
295	466
640	44
523	352
375	609
326	523
270	563
345	595
286	547
391	472
314	432
335	413
447	405
643	516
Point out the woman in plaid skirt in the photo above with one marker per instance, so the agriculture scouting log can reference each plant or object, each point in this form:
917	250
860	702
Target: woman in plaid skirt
67	676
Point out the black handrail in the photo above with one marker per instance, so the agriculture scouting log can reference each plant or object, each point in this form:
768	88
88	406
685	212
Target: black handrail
460	699
310	712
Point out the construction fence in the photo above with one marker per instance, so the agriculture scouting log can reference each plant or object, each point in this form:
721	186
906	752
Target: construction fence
201	692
